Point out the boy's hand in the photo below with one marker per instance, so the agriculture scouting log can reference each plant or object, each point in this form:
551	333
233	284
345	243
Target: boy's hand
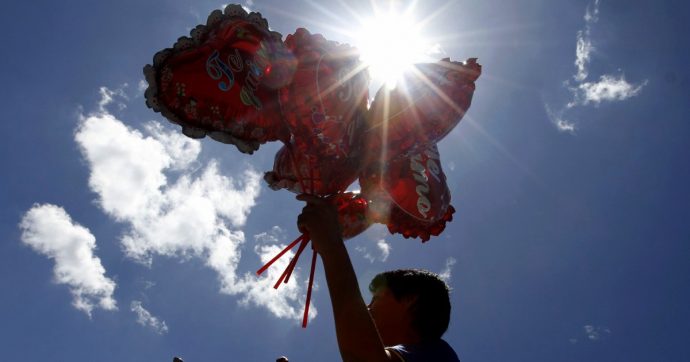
319	219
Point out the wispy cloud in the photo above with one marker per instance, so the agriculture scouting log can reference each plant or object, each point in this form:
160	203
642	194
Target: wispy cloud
141	87
383	250
591	333
595	333
49	230
557	117
447	269
153	182
146	319
272	236
584	47
608	88
110	96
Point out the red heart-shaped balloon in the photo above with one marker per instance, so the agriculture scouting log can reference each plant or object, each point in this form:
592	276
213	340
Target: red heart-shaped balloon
422	109
409	194
307	173
326	100
223	81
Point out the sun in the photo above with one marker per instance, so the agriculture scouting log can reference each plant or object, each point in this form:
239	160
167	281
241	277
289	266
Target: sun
389	44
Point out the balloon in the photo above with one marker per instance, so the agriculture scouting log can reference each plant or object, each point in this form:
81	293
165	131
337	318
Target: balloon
401	223
327	97
223	81
422	109
306	173
409	194
352	213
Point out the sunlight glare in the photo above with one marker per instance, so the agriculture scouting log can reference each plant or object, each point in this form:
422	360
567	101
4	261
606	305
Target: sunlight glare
389	45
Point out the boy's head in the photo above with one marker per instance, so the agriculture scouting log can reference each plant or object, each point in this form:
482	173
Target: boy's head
424	297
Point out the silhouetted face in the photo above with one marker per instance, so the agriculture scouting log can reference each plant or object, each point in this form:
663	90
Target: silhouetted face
390	315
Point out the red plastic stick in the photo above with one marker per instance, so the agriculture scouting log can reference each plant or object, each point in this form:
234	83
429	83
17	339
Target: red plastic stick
292	245
311	282
294	260
291	266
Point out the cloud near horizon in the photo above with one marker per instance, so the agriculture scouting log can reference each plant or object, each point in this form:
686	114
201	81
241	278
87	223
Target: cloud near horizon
50	231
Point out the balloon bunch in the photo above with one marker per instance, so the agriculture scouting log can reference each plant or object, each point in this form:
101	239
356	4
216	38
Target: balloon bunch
238	82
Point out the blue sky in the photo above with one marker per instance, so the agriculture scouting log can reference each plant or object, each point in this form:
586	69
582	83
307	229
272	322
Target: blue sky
124	240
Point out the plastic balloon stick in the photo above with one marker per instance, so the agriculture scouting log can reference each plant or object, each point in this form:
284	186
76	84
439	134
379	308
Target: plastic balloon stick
311	282
292	245
291	266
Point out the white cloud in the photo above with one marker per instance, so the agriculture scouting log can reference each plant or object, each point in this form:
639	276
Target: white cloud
288	300
595	333
561	123
609	88
141	87
49	230
383	248
108	96
592	333
365	253
584	47
447	269
195	215
564	125
592	14
146	319
583	51
272	236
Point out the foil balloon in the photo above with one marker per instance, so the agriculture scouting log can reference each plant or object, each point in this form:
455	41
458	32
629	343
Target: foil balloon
307	173
352	213
327	97
409	194
422	109
223	80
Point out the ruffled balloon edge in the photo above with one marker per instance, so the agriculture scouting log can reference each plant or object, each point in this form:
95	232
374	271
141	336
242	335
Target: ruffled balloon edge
196	37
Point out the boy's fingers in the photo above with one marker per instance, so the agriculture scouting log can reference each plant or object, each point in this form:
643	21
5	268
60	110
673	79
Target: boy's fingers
300	221
302	225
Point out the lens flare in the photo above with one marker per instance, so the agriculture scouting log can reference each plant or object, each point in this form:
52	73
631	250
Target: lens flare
390	43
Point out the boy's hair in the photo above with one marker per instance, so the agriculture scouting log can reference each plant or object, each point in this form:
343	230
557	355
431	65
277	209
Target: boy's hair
431	309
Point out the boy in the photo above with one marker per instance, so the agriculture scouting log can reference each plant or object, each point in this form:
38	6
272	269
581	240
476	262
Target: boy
409	310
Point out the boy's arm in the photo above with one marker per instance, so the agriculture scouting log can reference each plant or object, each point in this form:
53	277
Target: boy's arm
358	338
